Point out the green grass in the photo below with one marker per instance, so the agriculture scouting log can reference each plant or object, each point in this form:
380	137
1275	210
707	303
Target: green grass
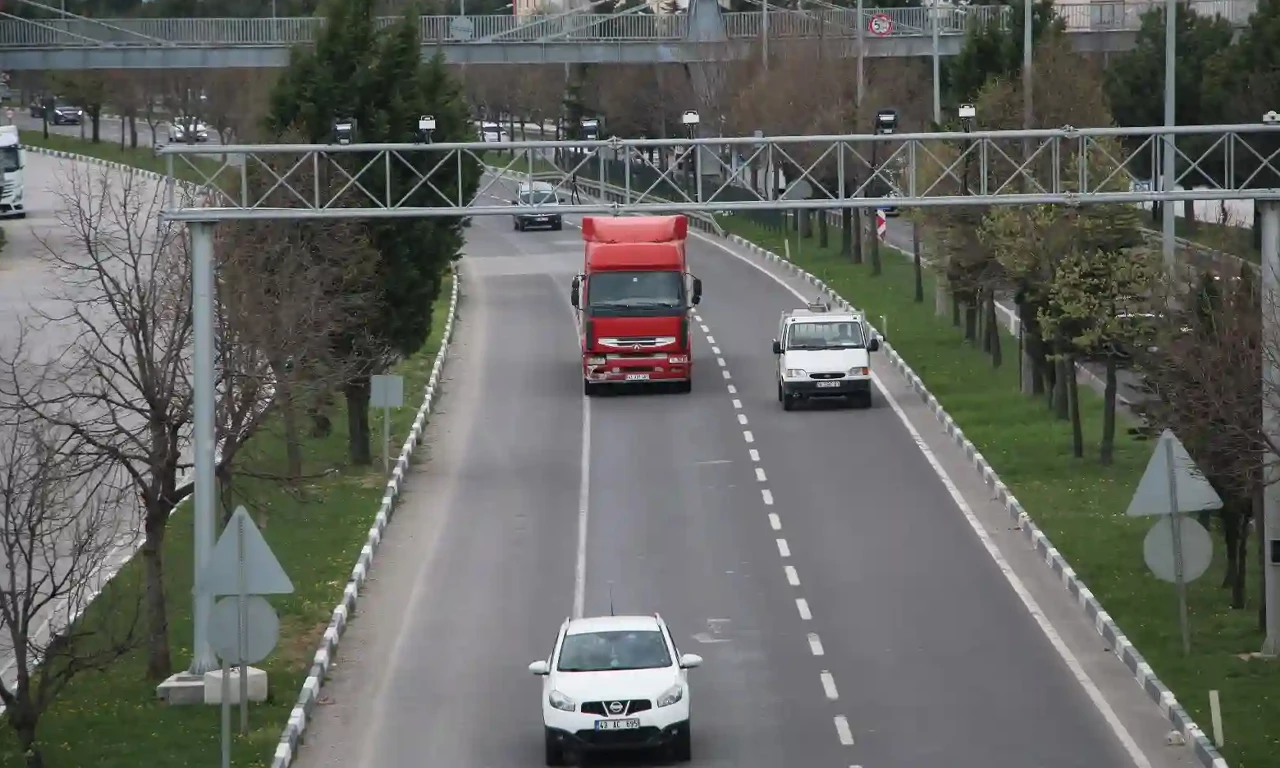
113	720
1237	241
142	157
1078	503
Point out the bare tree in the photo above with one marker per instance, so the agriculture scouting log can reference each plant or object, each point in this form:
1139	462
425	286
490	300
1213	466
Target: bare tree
60	525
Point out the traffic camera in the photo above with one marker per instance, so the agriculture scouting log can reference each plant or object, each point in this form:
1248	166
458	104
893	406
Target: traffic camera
344	130
886	120
591	128
426	124
1271	118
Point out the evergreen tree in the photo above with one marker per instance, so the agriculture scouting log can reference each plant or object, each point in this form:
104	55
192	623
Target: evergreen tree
991	52
379	79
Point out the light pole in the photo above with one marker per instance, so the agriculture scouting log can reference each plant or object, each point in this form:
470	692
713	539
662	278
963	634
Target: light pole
1167	171
886	122
1270	213
690	122
934	11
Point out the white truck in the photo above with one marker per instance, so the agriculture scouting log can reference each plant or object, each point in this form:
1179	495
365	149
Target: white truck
823	354
13	163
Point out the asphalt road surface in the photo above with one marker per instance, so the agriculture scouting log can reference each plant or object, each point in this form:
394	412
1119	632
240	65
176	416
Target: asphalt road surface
848	609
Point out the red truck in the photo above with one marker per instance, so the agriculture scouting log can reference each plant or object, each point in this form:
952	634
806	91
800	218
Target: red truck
633	302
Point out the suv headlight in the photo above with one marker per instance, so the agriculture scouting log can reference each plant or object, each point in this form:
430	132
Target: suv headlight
560	701
671	695
795	373
859	371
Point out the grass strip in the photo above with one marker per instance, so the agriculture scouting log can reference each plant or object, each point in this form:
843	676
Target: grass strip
143	158
113	719
1078	503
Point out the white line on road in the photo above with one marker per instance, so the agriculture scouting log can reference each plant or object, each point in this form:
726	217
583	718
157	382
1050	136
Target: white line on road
742	418
715	350
711	340
783	549
815	644
720	361
755	455
793	578
733	390
1077	670
842	729
775	522
746	435
584	495
725	374
829	686
767	495
760	475
705	329
802	605
737	403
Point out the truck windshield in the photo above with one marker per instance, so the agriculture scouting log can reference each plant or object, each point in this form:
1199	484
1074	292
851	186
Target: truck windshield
9	160
612	293
825	335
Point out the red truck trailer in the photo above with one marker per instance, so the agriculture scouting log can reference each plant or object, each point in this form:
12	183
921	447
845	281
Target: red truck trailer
633	301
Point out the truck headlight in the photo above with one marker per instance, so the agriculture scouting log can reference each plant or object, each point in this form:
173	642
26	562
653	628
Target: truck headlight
795	373
859	371
671	695
560	701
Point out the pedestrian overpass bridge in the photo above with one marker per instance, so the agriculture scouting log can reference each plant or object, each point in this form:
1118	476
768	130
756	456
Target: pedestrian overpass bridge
704	34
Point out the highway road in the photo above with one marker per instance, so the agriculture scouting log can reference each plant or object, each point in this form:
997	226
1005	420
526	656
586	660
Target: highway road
857	595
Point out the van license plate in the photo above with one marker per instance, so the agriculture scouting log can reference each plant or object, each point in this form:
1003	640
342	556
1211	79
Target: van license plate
826	384
637	377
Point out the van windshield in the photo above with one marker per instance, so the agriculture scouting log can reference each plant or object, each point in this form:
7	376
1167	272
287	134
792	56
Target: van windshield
10	160
842	334
618	293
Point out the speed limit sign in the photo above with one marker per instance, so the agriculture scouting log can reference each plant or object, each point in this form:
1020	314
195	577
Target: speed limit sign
881	25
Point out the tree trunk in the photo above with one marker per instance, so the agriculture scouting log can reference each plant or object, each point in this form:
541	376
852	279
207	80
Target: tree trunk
857	237
24	723
876	267
1073	394
1109	414
159	661
970	320
993	333
846	233
824	231
918	264
357	393
1061	388
292	435
133	130
805	224
984	322
1189	216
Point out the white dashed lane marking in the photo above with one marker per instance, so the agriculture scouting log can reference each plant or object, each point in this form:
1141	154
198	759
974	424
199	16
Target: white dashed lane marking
843	731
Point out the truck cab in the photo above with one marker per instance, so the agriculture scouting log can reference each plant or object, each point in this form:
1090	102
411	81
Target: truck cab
13	164
823	354
633	301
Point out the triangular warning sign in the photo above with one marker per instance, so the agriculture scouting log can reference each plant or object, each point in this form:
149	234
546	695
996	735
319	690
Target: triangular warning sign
1195	494
241	542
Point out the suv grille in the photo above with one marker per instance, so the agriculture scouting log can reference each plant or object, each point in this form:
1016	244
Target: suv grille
629	707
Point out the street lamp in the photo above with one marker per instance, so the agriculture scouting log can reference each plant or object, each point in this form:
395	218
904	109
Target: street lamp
344	130
426	124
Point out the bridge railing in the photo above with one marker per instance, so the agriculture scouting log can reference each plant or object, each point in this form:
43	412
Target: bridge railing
497	29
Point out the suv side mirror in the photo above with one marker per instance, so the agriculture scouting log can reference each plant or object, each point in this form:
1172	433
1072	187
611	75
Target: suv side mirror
874	344
777	347
697	290
540	668
573	292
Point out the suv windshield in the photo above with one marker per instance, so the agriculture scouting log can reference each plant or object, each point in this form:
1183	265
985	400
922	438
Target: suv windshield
620	292
537	198
614	651
843	334
9	161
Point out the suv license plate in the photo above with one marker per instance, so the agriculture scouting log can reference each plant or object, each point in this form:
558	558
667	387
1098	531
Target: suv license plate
637	377
825	384
629	724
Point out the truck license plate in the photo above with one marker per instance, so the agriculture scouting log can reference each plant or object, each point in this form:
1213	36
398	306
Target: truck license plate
827	384
637	377
629	724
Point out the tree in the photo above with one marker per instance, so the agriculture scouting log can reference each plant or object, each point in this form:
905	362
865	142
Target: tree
380	80
990	51
60	520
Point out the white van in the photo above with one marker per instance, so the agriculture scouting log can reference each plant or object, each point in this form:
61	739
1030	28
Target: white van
13	164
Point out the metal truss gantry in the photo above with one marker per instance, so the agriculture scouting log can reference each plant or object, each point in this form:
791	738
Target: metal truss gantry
56	39
1066	166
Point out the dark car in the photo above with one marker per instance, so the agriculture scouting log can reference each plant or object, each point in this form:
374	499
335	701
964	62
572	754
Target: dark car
66	114
540	194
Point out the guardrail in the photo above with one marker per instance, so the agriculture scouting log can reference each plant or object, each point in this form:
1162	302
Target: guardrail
577	28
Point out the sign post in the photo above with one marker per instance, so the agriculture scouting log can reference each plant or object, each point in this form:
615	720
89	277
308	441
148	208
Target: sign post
243	629
1177	548
386	392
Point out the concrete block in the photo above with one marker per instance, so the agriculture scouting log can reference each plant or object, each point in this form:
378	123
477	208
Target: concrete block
257	686
181	690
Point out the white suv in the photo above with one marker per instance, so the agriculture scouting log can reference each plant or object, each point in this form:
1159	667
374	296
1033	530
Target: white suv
615	683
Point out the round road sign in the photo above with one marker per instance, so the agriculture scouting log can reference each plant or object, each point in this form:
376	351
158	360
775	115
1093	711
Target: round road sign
880	25
1197	549
261	632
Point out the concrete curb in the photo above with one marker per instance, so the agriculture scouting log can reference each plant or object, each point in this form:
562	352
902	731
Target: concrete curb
292	736
1119	644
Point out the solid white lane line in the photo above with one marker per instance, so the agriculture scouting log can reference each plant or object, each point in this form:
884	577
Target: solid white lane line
742	418
584	496
1077	670
793	578
783	549
755	455
767	495
720	361
760	474
842	730
746	435
733	390
775	522
802	605
737	403
815	645
829	686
